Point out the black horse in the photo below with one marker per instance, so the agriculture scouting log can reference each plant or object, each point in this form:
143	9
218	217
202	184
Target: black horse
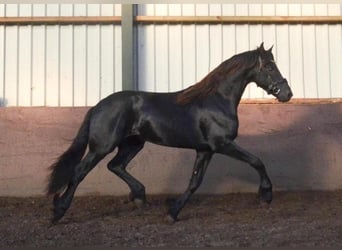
202	117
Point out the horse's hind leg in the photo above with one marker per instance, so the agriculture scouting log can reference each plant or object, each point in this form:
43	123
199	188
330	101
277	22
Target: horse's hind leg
126	152
62	203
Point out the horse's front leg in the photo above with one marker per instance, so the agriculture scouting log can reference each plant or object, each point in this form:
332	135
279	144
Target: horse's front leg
233	150
201	164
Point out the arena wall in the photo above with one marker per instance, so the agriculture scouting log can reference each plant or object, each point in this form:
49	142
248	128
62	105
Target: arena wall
300	145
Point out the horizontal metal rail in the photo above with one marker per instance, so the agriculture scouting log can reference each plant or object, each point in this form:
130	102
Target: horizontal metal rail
61	20
73	20
241	19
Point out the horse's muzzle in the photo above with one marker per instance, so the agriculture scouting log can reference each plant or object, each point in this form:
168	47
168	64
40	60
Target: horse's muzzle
282	91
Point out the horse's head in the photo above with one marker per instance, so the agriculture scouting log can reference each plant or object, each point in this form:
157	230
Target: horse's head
268	76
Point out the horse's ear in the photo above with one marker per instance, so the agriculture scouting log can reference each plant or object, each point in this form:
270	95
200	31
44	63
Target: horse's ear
261	47
270	49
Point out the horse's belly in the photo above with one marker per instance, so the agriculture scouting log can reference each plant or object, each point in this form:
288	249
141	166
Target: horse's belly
172	135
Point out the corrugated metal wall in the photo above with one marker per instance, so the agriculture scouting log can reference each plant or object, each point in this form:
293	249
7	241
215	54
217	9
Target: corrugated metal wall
77	65
59	65
172	57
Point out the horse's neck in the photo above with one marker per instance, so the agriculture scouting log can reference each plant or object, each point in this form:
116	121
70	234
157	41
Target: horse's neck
232	90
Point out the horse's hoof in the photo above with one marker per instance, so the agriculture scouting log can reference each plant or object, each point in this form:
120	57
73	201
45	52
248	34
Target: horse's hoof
170	219
265	194
138	200
58	213
139	203
173	210
56	217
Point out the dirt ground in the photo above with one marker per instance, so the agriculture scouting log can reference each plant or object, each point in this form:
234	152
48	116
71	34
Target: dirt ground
305	218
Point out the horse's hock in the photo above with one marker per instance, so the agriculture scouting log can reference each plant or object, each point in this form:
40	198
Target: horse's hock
300	145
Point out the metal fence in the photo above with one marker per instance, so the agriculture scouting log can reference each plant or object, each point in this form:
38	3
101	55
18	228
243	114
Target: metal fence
59	65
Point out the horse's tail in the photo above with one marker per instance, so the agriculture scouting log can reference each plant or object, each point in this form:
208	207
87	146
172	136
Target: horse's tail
62	170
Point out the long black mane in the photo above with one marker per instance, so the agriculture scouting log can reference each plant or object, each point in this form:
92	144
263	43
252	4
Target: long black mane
230	68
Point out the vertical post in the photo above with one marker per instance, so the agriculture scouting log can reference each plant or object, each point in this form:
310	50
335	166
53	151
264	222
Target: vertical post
128	67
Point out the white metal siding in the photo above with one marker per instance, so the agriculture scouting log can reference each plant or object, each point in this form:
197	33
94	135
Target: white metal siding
172	57
77	65
59	65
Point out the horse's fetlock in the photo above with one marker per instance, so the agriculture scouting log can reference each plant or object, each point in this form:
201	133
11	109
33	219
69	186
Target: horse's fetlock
257	163
58	213
193	188
141	189
266	186
265	194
